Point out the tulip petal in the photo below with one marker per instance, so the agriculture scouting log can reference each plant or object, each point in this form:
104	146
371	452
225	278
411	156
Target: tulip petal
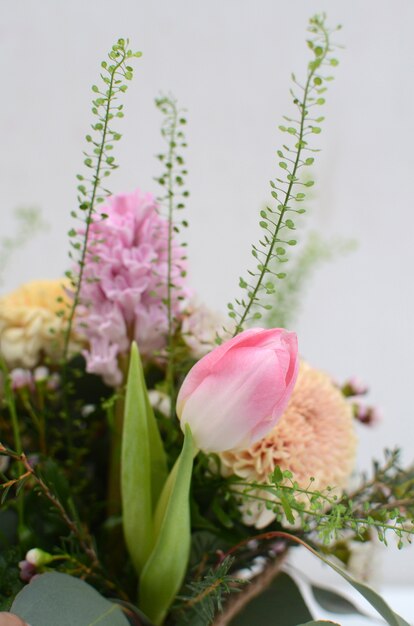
234	395
228	404
209	362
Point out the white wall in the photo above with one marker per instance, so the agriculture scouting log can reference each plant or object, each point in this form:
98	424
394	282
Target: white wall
229	63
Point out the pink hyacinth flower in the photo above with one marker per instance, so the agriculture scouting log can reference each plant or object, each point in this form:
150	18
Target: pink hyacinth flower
235	394
124	287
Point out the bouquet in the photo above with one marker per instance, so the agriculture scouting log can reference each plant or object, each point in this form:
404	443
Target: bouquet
159	460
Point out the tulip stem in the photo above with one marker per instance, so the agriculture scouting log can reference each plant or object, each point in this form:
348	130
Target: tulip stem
11	405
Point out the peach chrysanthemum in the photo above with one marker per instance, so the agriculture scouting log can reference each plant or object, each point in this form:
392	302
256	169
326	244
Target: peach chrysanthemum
315	437
29	326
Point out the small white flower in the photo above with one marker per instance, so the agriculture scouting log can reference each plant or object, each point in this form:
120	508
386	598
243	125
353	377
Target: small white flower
160	401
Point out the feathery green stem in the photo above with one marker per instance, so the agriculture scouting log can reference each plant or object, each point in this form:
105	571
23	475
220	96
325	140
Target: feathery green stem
274	220
172	180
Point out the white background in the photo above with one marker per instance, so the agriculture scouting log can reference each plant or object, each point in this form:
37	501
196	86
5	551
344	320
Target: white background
229	63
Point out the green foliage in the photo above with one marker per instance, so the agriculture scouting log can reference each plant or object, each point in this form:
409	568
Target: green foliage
285	301
288	189
384	504
10	582
331	601
173	198
165	569
99	159
369	594
48	482
55	598
202	599
29	222
143	465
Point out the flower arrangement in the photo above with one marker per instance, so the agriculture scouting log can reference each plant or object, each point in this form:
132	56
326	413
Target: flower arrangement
158	461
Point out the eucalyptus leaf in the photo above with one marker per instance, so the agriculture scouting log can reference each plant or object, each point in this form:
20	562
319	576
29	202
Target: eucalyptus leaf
281	601
55	598
334	602
369	594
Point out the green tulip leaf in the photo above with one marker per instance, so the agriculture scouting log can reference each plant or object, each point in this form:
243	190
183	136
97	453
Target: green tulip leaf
143	465
165	569
56	598
369	594
158	468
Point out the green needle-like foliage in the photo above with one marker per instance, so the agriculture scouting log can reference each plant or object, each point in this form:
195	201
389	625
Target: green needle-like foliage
288	189
202	599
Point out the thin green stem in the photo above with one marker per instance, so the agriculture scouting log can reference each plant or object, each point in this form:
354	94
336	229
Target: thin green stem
347	516
170	188
269	255
11	405
39	422
95	186
84	539
252	296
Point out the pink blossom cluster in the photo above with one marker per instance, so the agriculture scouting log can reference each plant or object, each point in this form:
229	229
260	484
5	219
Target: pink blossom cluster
124	288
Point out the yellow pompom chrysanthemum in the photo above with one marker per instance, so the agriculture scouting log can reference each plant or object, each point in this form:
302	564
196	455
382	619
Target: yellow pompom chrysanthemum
30	328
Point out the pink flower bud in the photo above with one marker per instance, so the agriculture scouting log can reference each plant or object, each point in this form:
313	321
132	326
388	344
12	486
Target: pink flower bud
235	394
354	387
20	378
27	571
367	415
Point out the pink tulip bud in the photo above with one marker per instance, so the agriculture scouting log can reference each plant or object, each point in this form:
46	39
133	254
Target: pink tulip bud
235	394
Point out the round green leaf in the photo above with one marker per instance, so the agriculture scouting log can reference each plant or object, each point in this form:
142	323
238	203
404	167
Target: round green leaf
56	598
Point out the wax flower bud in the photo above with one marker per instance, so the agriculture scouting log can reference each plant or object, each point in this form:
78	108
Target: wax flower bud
38	557
235	394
